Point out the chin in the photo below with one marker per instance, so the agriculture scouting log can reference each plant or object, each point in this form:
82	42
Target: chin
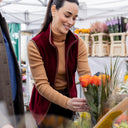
65	31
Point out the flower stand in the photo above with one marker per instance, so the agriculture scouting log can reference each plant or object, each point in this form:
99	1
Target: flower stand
100	46
87	41
118	44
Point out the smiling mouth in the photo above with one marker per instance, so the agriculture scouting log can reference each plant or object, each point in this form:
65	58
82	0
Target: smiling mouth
66	27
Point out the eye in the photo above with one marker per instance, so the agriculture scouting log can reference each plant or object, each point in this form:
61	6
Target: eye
67	16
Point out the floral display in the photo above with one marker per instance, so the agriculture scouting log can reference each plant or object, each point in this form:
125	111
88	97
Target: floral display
83	30
83	121
122	125
114	26
122	118
123	88
96	91
126	77
100	90
117	25
98	27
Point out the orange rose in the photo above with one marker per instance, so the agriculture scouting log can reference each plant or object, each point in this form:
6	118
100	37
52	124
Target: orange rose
96	81
84	77
104	78
85	80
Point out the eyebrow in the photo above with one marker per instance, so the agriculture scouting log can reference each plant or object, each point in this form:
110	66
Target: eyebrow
71	13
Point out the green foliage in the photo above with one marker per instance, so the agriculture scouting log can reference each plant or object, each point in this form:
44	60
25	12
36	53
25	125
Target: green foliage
126	73
96	97
123	125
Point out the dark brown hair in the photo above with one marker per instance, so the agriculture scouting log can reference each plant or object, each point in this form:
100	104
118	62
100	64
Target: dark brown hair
59	4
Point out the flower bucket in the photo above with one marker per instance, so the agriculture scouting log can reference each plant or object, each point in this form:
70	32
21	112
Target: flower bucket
118	44
100	44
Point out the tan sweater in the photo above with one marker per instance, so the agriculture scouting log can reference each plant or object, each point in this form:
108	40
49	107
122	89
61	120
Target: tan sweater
39	74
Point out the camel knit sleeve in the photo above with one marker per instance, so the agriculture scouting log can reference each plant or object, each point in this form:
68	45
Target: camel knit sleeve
83	66
40	77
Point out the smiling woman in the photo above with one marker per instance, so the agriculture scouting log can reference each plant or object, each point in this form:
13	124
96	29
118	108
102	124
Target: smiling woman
64	17
54	56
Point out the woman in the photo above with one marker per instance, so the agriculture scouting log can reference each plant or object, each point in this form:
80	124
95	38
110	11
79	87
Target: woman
54	55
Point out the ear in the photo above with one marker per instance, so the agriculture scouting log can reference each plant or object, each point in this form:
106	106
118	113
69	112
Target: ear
53	10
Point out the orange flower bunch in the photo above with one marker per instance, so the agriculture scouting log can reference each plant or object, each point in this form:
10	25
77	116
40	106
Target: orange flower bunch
83	30
94	80
96	93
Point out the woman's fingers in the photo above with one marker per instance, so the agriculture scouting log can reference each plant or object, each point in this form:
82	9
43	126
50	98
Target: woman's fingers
82	109
79	99
77	104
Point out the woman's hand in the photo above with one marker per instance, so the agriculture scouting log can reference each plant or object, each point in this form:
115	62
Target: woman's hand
77	104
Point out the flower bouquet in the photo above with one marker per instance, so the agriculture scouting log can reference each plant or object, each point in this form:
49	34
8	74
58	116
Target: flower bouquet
96	91
100	90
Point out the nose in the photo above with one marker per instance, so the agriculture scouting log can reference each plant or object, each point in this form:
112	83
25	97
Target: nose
71	21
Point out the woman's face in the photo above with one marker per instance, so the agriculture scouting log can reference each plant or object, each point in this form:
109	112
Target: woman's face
65	17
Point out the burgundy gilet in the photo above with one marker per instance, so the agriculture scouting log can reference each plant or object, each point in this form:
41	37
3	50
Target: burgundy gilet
49	53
